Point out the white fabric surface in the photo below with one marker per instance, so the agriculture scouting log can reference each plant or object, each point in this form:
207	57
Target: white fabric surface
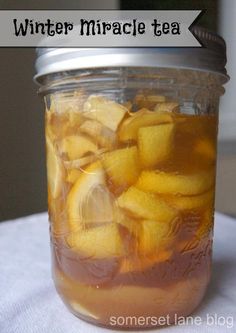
30	304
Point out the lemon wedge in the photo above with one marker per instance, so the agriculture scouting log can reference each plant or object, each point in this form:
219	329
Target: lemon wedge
76	146
148	101
54	170
173	183
143	118
107	112
183	202
167	107
155	144
67	102
102	135
48	128
145	205
89	201
73	175
99	242
156	98
154	237
80	162
121	166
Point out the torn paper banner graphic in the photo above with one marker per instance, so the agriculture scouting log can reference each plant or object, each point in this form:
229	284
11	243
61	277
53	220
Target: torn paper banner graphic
79	28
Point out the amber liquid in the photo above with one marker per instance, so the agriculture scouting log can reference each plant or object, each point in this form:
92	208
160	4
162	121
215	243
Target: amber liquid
114	253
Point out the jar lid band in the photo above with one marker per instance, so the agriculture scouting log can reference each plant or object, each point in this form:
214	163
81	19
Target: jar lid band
210	57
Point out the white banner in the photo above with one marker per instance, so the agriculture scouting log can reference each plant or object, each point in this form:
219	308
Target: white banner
106	28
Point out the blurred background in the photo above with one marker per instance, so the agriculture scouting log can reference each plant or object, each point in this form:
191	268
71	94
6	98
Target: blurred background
22	153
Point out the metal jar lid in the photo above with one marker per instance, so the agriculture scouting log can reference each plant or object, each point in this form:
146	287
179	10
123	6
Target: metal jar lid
211	57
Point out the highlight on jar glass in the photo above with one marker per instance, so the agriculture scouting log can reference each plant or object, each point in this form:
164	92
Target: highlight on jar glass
131	163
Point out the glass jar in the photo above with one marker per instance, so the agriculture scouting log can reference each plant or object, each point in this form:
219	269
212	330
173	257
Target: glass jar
131	156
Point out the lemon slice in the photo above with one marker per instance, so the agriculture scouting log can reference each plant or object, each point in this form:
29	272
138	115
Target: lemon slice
142	118
73	175
156	98
145	205
76	167
191	202
148	101
121	166
89	201
98	242
102	135
75	146
174	183
65	114
48	128
155	144
54	170
107	112
83	161
67	102
154	236
167	107
80	162
131	229
132	225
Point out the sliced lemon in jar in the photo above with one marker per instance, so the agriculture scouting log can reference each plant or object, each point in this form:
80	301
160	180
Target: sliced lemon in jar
102	135
80	162
54	170
76	146
174	183
154	236
145	205
71	103
148	101
156	98
89	201
99	242
143	118
107	112
73	175
121	166
76	167
184	202
167	107
155	144
131	224
48	127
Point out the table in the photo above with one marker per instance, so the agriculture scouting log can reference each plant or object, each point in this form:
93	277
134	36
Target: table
30	304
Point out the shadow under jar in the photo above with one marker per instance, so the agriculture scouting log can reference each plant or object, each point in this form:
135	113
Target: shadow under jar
131	156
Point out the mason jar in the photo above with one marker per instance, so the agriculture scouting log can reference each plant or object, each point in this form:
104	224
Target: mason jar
131	162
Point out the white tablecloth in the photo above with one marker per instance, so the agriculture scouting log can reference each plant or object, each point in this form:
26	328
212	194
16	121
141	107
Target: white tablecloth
30	304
